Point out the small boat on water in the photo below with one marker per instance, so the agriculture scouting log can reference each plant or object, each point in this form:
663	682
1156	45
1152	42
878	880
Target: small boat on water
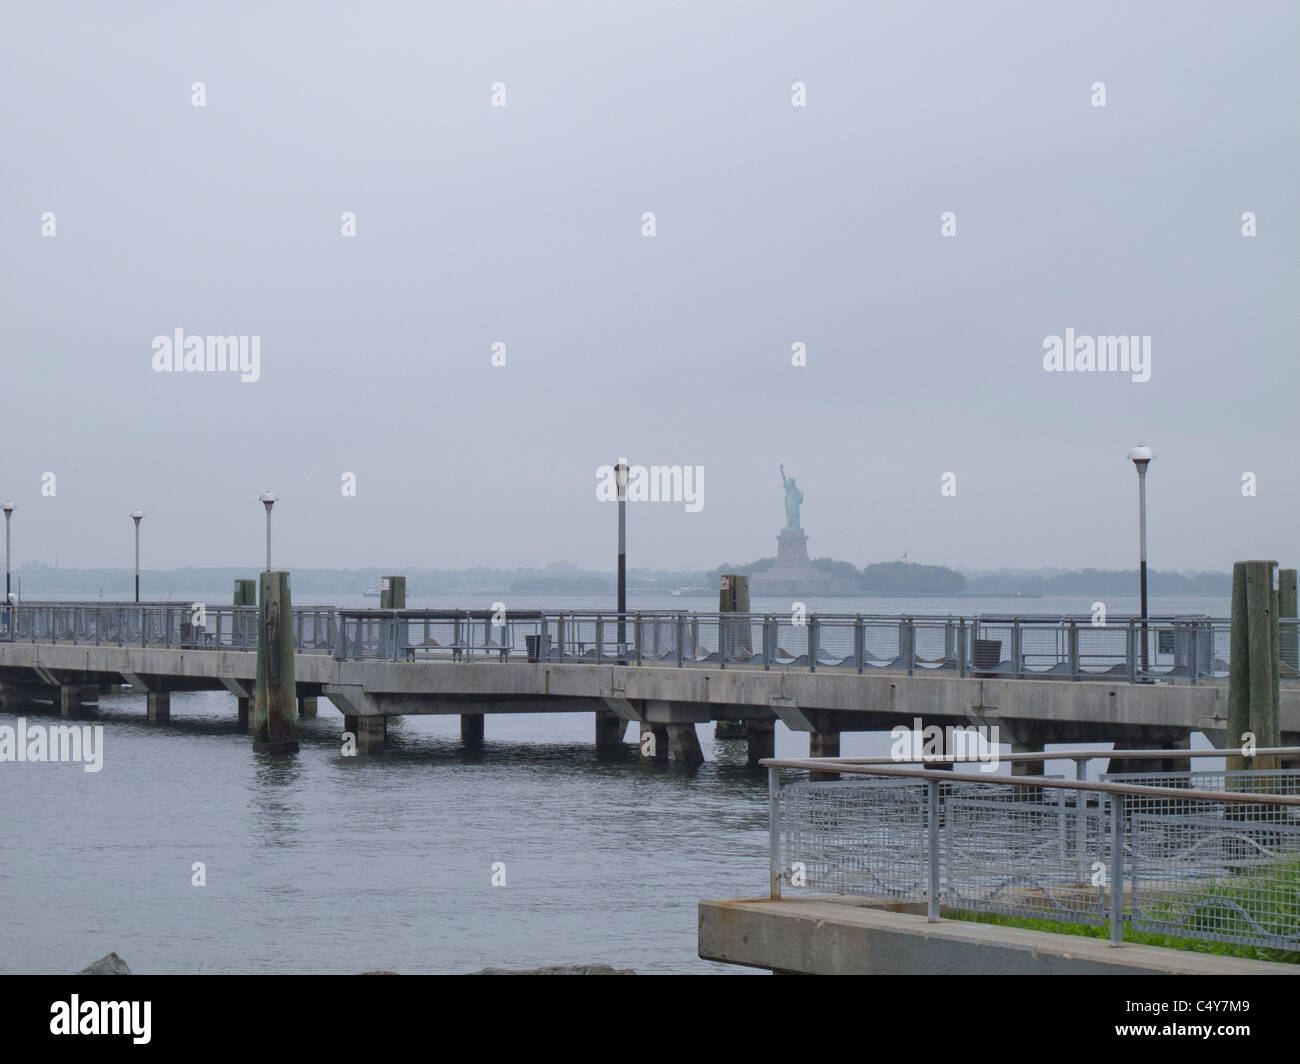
371	592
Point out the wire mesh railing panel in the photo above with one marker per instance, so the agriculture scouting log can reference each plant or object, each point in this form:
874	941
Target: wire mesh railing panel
848	839
1218	875
1240	781
1036	858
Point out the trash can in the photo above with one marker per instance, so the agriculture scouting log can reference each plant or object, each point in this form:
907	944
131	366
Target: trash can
985	654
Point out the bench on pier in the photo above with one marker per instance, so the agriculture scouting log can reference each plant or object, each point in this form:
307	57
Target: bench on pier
458	650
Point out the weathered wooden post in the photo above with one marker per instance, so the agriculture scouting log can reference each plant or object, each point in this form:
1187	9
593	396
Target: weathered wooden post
1253	669
1288	638
392	593
733	597
245	595
275	709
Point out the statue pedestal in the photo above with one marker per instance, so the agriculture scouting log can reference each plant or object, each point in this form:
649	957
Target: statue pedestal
792	549
793	573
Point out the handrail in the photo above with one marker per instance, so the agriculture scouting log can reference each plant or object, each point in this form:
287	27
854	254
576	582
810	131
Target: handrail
1063	755
819	765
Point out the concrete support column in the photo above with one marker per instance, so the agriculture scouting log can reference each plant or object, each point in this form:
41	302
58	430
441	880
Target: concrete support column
243	711
760	736
684	743
1027	738
610	730
729	729
654	741
69	699
306	706
109	688
471	729
824	744
371	733
159	705
1156	763
1290	739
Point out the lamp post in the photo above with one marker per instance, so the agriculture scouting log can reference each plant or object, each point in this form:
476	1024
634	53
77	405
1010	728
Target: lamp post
8	508
137	516
620	479
268	500
1141	456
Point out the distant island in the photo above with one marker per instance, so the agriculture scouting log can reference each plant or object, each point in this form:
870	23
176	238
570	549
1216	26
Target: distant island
880	578
567	578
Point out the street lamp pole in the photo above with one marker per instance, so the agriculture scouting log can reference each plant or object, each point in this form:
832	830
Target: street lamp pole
620	479
136	516
268	500
9	512
1141	456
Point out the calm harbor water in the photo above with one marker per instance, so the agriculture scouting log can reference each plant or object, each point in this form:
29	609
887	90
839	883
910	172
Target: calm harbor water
322	863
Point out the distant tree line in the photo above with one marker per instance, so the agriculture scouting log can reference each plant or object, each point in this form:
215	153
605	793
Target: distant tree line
1097	582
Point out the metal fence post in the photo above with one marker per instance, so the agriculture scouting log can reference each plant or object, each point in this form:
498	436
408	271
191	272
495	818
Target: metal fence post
1081	814
961	646
932	899
1073	649
1130	646
859	643
1116	870
774	829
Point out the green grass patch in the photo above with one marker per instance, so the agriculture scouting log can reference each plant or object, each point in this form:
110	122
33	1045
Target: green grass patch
1141	938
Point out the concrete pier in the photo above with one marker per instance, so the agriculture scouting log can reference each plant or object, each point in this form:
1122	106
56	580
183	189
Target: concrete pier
684	744
824	936
611	730
471	729
243	712
159	706
1027	737
654	741
69	699
306	706
371	733
823	744
760	737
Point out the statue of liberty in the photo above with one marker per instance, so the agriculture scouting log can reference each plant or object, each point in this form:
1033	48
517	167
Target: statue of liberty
793	499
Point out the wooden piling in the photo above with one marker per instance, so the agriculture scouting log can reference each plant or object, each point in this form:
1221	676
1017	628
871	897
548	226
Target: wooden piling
392	593
733	597
1253	653
275	707
1288	638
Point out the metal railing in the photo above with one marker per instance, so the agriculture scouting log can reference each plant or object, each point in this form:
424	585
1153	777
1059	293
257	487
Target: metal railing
158	625
1066	648
1194	855
1189	649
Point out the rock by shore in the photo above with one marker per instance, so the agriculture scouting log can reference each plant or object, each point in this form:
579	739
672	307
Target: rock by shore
110	964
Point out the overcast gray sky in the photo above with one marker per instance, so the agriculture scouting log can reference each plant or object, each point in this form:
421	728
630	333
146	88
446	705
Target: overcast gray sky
775	224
